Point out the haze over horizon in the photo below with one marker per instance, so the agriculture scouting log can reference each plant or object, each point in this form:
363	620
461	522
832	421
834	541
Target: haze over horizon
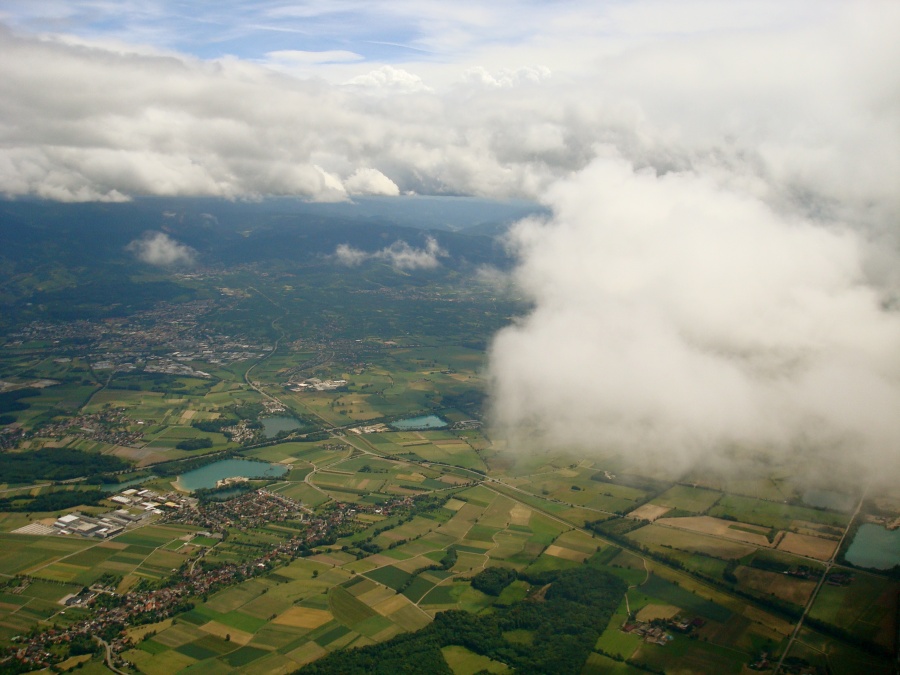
720	266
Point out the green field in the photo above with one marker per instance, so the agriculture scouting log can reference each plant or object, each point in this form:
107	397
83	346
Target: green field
695	500
774	514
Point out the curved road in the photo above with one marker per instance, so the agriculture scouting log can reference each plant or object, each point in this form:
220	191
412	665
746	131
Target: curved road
108	659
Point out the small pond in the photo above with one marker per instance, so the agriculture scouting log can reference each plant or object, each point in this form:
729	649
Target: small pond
875	547
419	423
207	476
272	426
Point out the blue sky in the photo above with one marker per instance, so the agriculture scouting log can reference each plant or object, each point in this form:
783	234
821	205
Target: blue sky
385	32
395	31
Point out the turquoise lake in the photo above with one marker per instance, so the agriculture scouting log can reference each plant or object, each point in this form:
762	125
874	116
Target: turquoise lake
115	487
272	426
419	423
207	476
875	546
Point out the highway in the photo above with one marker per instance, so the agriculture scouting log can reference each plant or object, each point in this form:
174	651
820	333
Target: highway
812	598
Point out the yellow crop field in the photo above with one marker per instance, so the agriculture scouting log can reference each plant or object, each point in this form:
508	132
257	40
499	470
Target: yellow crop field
303	617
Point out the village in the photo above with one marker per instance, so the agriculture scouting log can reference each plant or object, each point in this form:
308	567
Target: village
112	613
252	509
107	426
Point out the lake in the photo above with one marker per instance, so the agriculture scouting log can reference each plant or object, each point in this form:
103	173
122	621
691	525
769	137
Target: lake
875	546
115	487
828	499
272	426
225	495
207	476
418	423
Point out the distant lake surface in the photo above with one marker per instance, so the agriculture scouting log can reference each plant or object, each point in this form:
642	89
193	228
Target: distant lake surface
827	499
207	476
875	546
225	495
272	426
115	487
418	423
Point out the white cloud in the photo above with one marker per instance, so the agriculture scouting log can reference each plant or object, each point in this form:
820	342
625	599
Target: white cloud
304	64
289	57
388	78
506	78
675	318
368	181
158	248
349	256
798	110
399	255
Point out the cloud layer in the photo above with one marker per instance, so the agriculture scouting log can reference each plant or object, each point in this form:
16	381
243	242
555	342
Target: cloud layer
800	103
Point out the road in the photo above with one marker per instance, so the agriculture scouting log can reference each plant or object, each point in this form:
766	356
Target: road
108	659
26	488
252	384
812	598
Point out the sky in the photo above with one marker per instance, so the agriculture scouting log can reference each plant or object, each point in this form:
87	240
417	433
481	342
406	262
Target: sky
720	267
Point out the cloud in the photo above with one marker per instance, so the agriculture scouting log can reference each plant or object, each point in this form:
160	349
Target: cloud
398	255
801	109
300	63
675	319
367	181
506	78
388	78
350	256
158	248
289	57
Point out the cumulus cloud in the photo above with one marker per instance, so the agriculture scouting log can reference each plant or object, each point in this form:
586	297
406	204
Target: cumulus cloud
399	255
158	248
350	256
676	318
390	79
367	181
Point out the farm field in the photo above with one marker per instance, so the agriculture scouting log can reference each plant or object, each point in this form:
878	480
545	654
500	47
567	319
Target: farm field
372	532
684	498
346	596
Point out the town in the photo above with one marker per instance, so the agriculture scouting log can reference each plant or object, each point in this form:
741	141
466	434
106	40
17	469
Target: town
162	340
111	614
